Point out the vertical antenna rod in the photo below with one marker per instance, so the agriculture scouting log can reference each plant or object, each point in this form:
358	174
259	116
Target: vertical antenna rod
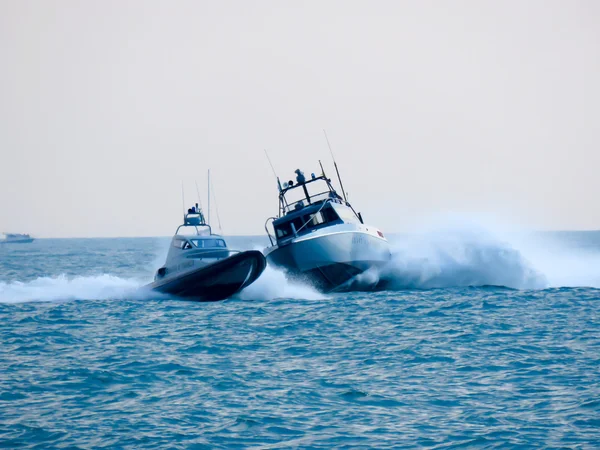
208	206
336	167
273	169
182	201
199	201
217	208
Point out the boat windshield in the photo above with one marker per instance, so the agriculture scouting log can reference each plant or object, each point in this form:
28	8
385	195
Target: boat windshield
347	215
306	223
209	243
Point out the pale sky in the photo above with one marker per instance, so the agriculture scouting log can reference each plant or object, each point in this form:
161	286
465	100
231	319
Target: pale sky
462	107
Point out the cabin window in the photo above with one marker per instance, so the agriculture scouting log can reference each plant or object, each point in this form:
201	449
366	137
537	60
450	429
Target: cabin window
283	230
347	215
322	217
209	243
316	220
179	243
330	215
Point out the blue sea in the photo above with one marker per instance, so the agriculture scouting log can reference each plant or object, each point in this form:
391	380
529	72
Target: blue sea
484	341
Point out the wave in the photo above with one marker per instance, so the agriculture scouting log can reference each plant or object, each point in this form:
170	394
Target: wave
63	288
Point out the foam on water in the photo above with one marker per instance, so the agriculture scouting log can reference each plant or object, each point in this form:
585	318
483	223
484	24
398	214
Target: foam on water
62	288
273	283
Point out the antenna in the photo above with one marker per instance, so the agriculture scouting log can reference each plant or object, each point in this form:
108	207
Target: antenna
182	201
216	208
273	169
322	170
336	167
199	201
208	207
198	193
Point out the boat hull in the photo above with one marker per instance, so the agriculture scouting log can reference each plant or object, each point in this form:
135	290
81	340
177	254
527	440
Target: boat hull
16	241
331	261
217	281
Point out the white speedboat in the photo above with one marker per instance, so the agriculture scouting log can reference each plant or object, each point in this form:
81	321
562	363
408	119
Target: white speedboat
15	238
320	238
200	267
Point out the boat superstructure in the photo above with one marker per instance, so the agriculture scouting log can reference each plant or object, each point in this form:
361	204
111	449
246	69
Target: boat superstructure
16	238
318	236
200	266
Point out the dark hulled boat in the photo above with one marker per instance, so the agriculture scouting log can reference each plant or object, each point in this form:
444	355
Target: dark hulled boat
201	267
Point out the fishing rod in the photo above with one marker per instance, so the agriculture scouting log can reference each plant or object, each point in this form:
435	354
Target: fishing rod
273	169
183	201
336	167
199	201
216	207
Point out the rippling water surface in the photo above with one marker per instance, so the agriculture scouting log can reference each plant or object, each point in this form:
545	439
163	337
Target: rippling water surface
444	361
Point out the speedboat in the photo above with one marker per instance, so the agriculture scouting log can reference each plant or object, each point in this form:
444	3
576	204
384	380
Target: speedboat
199	265
15	238
320	238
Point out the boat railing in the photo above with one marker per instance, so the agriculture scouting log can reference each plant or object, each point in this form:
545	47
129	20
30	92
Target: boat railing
328	195
203	227
272	219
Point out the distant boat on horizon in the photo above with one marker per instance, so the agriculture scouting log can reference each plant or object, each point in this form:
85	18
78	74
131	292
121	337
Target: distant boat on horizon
16	238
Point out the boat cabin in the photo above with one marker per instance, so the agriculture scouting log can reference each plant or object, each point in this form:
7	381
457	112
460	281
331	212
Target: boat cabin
193	245
195	234
308	205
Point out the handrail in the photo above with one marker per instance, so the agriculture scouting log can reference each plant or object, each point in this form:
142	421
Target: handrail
196	228
288	207
267	230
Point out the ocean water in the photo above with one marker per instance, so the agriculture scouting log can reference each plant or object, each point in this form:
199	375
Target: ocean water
483	342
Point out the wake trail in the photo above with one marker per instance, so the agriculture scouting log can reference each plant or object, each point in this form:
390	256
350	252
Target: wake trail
62	288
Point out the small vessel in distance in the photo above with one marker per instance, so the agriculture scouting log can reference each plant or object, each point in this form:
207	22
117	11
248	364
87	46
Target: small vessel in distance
320	238
16	238
199	265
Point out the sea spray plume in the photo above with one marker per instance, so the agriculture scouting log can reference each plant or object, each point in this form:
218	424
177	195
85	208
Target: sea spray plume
567	259
457	255
456	258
